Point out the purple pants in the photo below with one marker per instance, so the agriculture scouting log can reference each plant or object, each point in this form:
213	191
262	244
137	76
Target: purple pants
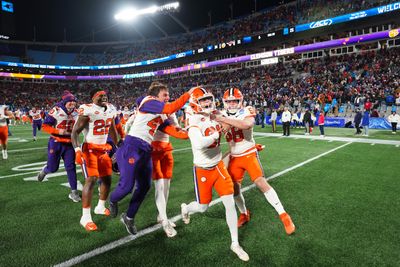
56	151
136	167
36	124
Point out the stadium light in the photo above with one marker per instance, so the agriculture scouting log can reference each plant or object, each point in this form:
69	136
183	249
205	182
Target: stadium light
129	14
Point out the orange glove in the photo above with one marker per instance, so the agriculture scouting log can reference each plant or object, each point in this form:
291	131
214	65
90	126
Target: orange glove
78	156
259	147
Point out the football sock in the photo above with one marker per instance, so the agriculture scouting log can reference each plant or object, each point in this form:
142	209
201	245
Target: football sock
240	203
86	216
160	199
167	183
273	199
194	207
231	217
101	204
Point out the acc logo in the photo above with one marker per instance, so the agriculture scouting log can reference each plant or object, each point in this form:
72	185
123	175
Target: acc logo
321	23
131	161
203	179
393	33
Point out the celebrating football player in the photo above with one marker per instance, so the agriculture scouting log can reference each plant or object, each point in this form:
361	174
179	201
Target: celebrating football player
36	117
209	170
96	120
4	115
58	123
244	156
134	156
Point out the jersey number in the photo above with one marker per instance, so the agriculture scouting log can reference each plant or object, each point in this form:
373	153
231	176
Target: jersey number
234	134
66	125
209	131
153	124
101	127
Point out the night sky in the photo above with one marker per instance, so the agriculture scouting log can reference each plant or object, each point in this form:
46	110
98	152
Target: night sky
81	17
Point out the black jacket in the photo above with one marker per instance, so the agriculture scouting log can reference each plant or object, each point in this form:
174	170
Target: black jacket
357	118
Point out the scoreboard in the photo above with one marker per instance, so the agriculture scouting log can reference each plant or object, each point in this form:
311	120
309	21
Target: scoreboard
7	20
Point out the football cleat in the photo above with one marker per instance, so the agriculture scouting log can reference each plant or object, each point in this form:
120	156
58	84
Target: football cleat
113	209
169	229
185	214
243	219
89	226
238	250
129	224
41	175
74	195
5	155
102	211
287	222
159	220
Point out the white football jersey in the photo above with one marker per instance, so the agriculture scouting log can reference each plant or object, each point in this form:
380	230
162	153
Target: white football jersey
64	121
208	156
241	142
3	116
163	137
145	124
96	131
18	113
35	115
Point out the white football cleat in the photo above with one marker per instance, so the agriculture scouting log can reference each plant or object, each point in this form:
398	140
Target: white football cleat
168	229
159	220
238	250
5	155
185	214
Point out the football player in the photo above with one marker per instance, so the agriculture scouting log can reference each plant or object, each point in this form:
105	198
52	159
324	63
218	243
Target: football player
17	117
163	163
96	120
58	123
244	156
134	155
36	117
209	170
4	115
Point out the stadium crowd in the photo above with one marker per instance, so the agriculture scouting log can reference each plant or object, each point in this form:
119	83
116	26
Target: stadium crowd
265	21
370	79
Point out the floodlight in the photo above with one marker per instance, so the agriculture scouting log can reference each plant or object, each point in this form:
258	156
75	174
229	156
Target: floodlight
131	13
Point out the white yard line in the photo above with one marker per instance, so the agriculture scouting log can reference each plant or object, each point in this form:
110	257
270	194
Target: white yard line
332	138
127	239
26	149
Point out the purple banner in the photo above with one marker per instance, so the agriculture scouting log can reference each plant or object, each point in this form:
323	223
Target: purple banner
287	51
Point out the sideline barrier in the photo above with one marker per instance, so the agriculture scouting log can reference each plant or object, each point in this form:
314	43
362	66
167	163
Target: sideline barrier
339	122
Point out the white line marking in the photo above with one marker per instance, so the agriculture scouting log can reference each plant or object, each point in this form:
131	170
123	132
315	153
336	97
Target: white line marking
122	241
27	149
372	144
334	138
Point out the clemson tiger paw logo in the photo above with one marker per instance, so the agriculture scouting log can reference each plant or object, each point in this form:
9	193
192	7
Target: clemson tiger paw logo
131	161
393	33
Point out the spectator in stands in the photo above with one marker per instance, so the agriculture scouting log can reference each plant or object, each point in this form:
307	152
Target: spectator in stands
357	121
394	119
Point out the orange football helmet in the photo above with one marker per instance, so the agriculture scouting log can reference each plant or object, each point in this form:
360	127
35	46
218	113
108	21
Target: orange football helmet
233	94
198	96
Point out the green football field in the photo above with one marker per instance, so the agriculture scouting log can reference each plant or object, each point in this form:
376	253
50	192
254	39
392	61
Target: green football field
342	194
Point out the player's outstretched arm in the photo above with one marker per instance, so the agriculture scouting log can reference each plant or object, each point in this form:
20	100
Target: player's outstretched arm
9	114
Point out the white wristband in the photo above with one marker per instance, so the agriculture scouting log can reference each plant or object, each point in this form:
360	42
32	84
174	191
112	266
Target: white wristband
77	149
